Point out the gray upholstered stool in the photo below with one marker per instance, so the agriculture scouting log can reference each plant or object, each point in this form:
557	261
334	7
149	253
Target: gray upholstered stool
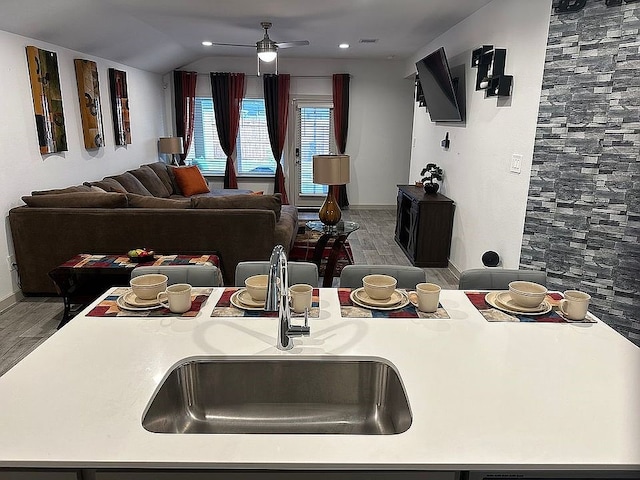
195	275
408	277
299	272
497	278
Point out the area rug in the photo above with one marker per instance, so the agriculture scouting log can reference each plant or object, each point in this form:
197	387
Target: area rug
305	244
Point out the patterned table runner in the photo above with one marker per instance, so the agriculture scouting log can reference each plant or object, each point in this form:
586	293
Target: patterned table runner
85	260
492	314
224	308
349	309
109	307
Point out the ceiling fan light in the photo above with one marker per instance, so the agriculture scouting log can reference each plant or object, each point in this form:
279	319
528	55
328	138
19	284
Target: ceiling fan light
267	56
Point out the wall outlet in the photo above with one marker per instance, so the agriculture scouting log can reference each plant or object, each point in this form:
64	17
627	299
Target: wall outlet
516	163
11	263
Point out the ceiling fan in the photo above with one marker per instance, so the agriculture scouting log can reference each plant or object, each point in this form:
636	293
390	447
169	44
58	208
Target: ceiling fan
266	48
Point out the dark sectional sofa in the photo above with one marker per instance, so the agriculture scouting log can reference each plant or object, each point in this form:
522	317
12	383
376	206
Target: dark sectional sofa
144	208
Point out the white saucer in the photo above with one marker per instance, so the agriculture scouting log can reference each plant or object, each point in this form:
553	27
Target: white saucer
125	306
504	298
236	302
404	301
132	299
248	300
363	297
491	299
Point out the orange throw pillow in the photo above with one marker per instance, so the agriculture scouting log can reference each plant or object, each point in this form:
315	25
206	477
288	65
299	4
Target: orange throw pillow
190	180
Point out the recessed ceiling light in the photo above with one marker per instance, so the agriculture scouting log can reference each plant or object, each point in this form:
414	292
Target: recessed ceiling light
344	45
207	43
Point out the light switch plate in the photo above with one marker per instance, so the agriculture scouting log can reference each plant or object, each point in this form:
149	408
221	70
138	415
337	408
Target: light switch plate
516	163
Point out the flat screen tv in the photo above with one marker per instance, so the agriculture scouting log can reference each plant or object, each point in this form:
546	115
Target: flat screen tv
438	88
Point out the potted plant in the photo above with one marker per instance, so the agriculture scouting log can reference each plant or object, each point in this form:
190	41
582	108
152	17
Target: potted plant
430	174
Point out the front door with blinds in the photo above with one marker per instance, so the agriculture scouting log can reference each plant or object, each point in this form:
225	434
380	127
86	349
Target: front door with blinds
313	136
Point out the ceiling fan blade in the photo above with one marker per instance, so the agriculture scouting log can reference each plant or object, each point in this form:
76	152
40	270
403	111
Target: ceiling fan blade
232	45
298	43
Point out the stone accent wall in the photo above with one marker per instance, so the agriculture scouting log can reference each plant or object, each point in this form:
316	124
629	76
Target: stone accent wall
583	211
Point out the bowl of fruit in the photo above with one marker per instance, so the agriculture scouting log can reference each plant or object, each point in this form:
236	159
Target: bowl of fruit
139	255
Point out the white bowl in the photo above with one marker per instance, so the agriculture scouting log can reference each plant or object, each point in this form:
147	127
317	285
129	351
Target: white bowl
527	294
379	287
147	287
257	287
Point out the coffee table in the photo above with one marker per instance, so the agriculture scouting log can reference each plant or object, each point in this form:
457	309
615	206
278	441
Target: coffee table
83	278
339	234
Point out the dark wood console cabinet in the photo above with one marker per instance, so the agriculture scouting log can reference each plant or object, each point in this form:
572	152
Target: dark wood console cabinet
423	226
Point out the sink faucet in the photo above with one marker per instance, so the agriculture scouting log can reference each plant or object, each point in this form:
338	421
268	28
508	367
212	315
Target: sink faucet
278	300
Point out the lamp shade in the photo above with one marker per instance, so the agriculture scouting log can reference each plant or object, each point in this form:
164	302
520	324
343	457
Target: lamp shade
331	169
170	145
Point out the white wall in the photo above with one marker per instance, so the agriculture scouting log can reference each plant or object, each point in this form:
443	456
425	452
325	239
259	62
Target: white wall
380	111
490	200
24	169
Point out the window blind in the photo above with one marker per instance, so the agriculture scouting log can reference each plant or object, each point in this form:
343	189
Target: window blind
253	152
315	137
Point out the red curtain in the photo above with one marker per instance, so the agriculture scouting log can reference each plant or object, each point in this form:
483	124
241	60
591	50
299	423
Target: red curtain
276	100
185	100
227	90
341	125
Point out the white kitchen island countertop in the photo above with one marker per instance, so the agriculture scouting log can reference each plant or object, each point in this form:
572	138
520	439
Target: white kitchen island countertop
483	395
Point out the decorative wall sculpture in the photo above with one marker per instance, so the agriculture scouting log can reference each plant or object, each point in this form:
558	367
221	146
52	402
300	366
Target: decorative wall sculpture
47	99
90	107
120	106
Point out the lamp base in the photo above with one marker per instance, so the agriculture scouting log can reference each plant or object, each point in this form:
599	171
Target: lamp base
330	213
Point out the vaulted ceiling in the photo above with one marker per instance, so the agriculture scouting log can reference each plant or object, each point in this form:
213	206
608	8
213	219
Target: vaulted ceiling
161	35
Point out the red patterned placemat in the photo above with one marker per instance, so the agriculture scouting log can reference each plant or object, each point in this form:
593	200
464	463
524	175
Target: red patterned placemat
349	309
109	306
224	308
492	314
85	260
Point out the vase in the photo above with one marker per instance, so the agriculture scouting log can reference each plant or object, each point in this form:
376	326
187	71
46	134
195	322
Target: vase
431	187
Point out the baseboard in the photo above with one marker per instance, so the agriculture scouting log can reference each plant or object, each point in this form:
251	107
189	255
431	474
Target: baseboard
454	270
11	300
370	207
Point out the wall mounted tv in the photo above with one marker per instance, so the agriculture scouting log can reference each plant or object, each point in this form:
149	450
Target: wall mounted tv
439	88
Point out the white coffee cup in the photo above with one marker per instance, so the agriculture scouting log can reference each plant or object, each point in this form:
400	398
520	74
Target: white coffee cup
428	297
176	298
301	296
575	304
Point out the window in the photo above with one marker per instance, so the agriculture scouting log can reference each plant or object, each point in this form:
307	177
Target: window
253	152
315	137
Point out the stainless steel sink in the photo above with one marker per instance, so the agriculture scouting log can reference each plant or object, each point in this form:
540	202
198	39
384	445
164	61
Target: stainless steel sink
248	395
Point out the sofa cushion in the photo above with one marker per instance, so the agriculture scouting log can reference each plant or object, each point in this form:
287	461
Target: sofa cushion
74	189
162	171
131	184
77	200
287	227
151	181
108	185
174	183
190	180
254	202
144	201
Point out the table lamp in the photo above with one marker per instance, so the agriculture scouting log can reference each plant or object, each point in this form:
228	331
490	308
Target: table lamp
330	170
171	146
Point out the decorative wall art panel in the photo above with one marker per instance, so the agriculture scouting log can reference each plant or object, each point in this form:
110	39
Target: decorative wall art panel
120	106
90	107
47	100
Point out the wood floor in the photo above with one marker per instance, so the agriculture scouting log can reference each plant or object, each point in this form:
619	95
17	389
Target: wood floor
31	321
